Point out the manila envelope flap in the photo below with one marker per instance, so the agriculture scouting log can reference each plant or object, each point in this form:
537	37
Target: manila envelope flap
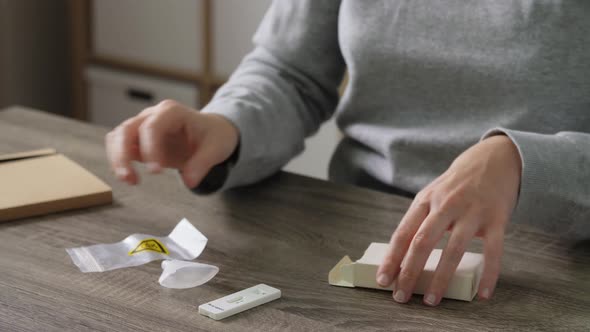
26	155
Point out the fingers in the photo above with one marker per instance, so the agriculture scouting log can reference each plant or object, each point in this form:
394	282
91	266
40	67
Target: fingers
199	165
426	238
170	135
460	238
492	251
400	242
153	134
122	145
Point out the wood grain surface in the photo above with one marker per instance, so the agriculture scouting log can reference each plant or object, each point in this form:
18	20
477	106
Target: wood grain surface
287	232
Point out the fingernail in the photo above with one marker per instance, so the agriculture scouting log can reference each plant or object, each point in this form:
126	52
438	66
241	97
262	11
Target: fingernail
485	293
190	179
121	172
383	280
400	296
430	299
153	167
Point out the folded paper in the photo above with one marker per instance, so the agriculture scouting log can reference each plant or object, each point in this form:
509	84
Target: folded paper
362	273
185	242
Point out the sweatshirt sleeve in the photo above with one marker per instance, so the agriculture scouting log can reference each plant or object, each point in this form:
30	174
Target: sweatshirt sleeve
283	90
555	181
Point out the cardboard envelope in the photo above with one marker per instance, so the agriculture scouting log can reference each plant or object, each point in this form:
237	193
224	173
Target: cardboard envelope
362	273
44	181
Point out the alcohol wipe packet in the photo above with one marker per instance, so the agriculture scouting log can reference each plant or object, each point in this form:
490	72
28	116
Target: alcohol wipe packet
185	242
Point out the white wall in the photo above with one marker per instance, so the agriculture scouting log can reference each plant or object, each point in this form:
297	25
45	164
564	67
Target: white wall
318	151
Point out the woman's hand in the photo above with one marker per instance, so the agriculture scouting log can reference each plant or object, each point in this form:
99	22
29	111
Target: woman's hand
170	135
474	197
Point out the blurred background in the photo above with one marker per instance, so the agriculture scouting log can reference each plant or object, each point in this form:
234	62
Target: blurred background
102	61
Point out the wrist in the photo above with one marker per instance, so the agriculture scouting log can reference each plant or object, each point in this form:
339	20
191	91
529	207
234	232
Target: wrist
228	131
508	151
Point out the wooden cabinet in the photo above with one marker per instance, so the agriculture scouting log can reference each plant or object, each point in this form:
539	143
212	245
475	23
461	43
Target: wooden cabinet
165	34
195	42
114	96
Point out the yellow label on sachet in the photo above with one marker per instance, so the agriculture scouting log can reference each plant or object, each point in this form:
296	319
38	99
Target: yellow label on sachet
149	245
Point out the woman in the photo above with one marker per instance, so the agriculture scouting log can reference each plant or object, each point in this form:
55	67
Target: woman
482	108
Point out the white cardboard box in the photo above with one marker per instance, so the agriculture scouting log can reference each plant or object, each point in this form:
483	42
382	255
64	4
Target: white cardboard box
362	273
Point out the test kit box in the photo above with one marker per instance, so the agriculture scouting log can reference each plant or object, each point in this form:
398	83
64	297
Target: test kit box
43	181
363	272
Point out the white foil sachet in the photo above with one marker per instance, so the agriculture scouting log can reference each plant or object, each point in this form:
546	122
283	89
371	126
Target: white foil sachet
181	274
184	242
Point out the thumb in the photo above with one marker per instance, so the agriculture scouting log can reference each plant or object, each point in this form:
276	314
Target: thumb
199	164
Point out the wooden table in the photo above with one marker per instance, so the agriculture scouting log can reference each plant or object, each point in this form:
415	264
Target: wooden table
287	232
